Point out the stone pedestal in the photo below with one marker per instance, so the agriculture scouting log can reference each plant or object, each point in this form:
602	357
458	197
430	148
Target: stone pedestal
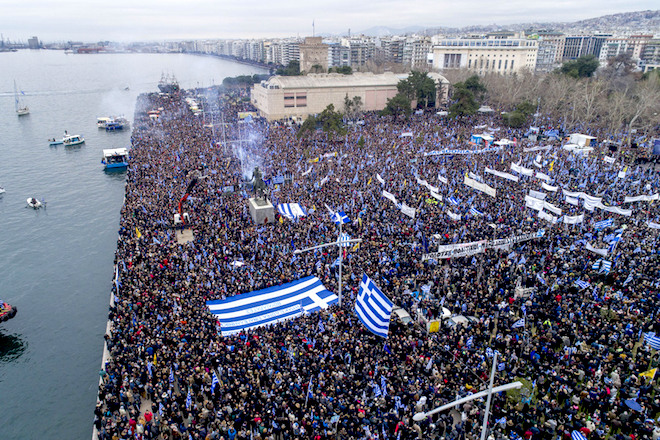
262	211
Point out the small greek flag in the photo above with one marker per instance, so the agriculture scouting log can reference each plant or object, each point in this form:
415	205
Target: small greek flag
470	341
321	326
161	408
344	240
453	200
605	267
540	278
524	309
629	279
475	212
519	323
215	382
501	421
383	385
188	400
596	264
582	284
340	218
652	340
377	391
501	366
171	375
489	352
577	435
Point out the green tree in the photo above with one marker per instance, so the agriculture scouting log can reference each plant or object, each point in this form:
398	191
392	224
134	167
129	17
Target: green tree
418	86
474	85
329	120
293	69
583	67
352	107
398	106
345	70
464	103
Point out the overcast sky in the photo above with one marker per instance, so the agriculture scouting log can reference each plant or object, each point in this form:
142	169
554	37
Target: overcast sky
152	20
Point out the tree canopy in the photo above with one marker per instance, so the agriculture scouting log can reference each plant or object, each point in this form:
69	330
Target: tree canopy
418	86
464	102
329	120
293	69
398	106
345	70
583	67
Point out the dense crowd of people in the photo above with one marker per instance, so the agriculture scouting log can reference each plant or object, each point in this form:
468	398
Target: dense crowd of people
580	351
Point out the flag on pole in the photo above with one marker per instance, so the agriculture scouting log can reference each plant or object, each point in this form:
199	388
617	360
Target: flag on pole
596	264
373	308
519	323
474	211
605	267
137	233
321	326
188	400
340	217
603	224
171	375
524	309
470	342
582	284
650	374
383	385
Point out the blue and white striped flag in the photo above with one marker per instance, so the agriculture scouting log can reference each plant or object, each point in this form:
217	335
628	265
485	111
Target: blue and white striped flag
652	341
373	308
519	323
171	375
453	200
582	284
474	211
344	240
629	279
501	366
540	278
377	391
577	435
214	382
524	309
605	267
321	326
161	408
603	224
383	385
596	264
188	400
470	342
340	218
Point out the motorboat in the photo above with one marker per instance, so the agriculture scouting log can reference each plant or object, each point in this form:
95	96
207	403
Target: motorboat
115	158
7	311
113	126
34	203
102	122
72	139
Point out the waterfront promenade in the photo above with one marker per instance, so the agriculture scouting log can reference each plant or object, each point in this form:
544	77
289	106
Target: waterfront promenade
580	352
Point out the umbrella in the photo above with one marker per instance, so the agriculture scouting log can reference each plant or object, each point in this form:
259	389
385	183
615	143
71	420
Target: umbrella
577	435
633	405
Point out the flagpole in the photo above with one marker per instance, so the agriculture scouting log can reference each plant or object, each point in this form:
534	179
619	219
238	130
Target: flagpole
484	426
340	261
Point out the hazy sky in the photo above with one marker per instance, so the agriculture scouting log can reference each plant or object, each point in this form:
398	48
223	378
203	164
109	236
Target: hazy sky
149	20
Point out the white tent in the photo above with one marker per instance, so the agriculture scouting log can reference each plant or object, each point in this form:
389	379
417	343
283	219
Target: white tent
485	109
582	140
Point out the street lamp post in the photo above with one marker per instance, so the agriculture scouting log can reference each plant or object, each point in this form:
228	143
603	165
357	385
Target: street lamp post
337	243
486	393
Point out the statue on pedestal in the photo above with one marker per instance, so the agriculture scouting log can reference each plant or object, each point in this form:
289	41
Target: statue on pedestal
259	186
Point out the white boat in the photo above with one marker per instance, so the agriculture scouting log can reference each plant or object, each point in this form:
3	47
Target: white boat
21	108
115	158
72	139
34	203
103	121
2	190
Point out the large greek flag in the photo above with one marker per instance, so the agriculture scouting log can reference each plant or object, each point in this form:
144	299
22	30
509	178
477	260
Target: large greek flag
291	210
652	340
373	308
271	305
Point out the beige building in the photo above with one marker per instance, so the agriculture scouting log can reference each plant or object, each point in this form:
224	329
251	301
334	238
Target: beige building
296	97
313	53
492	55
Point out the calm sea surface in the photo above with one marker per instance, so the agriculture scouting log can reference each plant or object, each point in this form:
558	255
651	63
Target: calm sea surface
56	264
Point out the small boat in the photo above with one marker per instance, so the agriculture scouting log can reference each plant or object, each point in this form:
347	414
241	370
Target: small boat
102	122
21	108
72	139
54	142
114	125
34	203
115	158
7	311
2	190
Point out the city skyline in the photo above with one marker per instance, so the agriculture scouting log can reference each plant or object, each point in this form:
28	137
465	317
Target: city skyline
205	19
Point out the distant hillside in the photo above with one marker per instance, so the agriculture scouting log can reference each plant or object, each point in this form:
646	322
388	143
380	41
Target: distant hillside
638	22
384	31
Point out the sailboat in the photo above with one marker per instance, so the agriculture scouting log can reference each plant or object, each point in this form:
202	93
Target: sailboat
21	108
